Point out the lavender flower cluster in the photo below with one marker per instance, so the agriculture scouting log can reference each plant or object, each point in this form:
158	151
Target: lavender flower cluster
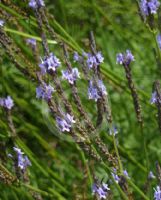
96	90
72	76
154	98
100	190
149	7
22	161
50	63
65	123
34	4
6	102
31	41
116	177
157	193
124	58
44	91
91	60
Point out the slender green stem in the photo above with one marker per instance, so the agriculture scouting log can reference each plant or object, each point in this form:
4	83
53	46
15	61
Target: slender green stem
128	155
36	190
145	148
137	189
26	35
117	153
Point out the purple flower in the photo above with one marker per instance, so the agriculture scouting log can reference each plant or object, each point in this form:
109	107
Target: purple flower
92	91
124	59
154	98
65	123
102	87
44	91
94	60
151	175
43	67
17	150
99	57
153	6
52	62
101	193
126	174
26	162
115	177
94	188
39	92
76	57
113	130
6	102
2	102
129	57
95	92
119	58
22	161
34	4
105	186
149	7
157	193
31	41
71	76
91	61
159	40
100	190
144	8
49	63
1	23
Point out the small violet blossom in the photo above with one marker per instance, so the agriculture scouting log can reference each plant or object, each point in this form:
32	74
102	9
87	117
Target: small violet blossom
95	92
7	102
49	63
157	193
100	190
44	91
22	161
76	57
31	41
149	7
94	60
151	175
124	59
65	123
154	98
113	130
159	40
71	76
34	4
115	177
1	23
126	174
